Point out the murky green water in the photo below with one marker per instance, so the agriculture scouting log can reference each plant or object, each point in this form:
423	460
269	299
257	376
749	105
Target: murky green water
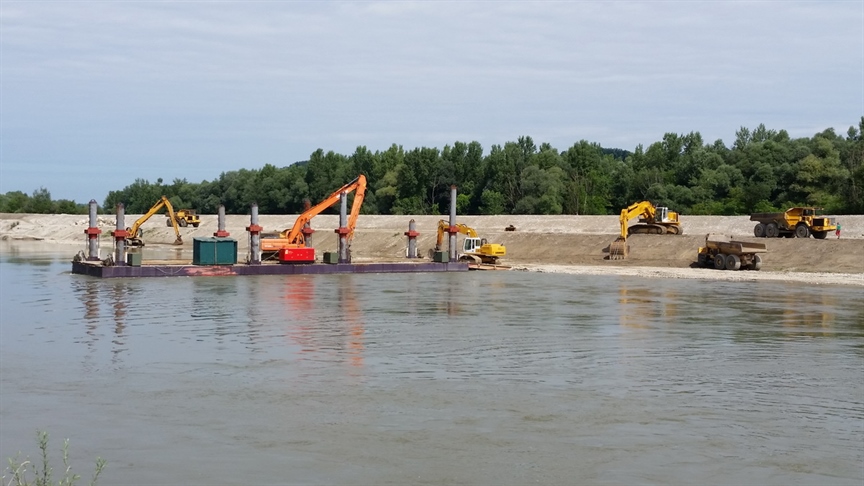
475	378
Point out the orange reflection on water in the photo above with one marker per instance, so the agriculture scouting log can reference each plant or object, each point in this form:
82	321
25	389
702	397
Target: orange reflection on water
312	335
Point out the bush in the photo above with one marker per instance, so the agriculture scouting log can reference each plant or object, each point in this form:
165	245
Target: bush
19	473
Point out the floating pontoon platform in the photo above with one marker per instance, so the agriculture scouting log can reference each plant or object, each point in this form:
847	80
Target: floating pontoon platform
96	269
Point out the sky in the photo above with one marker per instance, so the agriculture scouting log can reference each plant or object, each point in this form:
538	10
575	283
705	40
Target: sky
97	94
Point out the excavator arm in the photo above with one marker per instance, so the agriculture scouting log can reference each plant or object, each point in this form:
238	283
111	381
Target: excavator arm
295	235
652	220
619	248
443	228
642	209
134	238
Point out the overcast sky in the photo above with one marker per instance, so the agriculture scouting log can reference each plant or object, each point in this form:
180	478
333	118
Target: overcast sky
96	94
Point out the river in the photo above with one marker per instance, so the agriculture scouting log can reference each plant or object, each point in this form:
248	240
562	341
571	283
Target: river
473	378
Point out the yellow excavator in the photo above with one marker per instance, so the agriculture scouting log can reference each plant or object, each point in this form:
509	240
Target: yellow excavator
474	248
134	233
656	220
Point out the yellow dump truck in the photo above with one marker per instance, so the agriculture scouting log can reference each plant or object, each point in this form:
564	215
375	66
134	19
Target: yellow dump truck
723	253
793	223
185	217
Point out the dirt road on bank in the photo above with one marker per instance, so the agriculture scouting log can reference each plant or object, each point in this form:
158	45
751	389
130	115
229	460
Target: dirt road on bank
569	244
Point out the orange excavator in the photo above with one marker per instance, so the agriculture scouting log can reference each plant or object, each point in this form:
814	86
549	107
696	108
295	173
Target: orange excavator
291	247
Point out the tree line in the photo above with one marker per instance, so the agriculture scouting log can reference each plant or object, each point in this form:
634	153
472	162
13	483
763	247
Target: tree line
40	202
763	170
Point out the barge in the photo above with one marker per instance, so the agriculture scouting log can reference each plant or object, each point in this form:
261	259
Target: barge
97	269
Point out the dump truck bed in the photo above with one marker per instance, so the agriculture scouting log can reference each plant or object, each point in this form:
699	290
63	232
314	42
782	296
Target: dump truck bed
730	247
767	217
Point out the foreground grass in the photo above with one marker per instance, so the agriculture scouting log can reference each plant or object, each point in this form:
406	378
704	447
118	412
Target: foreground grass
29	473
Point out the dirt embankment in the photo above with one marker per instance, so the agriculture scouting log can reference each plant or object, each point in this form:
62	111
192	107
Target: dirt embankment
573	244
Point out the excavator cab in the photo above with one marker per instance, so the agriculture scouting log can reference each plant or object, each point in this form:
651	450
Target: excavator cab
471	245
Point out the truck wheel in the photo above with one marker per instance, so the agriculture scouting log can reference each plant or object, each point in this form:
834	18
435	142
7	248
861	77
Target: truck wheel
771	230
195	225
719	261
757	262
702	259
759	230
733	262
820	235
802	231
183	223
168	222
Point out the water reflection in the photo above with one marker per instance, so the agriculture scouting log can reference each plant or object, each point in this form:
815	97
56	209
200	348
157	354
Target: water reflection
299	296
639	307
804	308
90	297
565	362
794	312
120	295
336	327
213	307
116	296
353	320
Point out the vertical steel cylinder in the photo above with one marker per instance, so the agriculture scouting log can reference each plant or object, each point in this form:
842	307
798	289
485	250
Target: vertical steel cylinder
93	233
412	239
452	239
254	237
220	232
307	234
343	231
120	236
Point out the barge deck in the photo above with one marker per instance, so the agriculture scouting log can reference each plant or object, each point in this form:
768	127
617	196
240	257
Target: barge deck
96	269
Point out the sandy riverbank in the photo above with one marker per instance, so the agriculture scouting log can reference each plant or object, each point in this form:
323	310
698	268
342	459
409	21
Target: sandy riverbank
561	244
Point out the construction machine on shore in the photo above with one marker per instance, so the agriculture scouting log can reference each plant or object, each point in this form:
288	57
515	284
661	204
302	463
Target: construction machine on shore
290	246
796	222
656	220
474	248
134	233
185	217
723	253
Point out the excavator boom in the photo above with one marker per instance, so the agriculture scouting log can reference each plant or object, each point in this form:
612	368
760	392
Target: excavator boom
295	234
444	226
294	238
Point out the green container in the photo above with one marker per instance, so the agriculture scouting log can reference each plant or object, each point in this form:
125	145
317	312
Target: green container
133	259
331	257
214	251
441	257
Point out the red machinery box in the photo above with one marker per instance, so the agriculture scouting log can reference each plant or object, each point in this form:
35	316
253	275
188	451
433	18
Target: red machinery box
296	255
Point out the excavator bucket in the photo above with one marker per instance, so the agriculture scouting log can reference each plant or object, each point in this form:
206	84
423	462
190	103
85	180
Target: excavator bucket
178	241
619	249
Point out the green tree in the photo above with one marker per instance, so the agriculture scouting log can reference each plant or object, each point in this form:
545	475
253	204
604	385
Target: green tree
13	202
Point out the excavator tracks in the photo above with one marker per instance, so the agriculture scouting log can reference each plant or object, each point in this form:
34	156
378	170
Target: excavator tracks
654	229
